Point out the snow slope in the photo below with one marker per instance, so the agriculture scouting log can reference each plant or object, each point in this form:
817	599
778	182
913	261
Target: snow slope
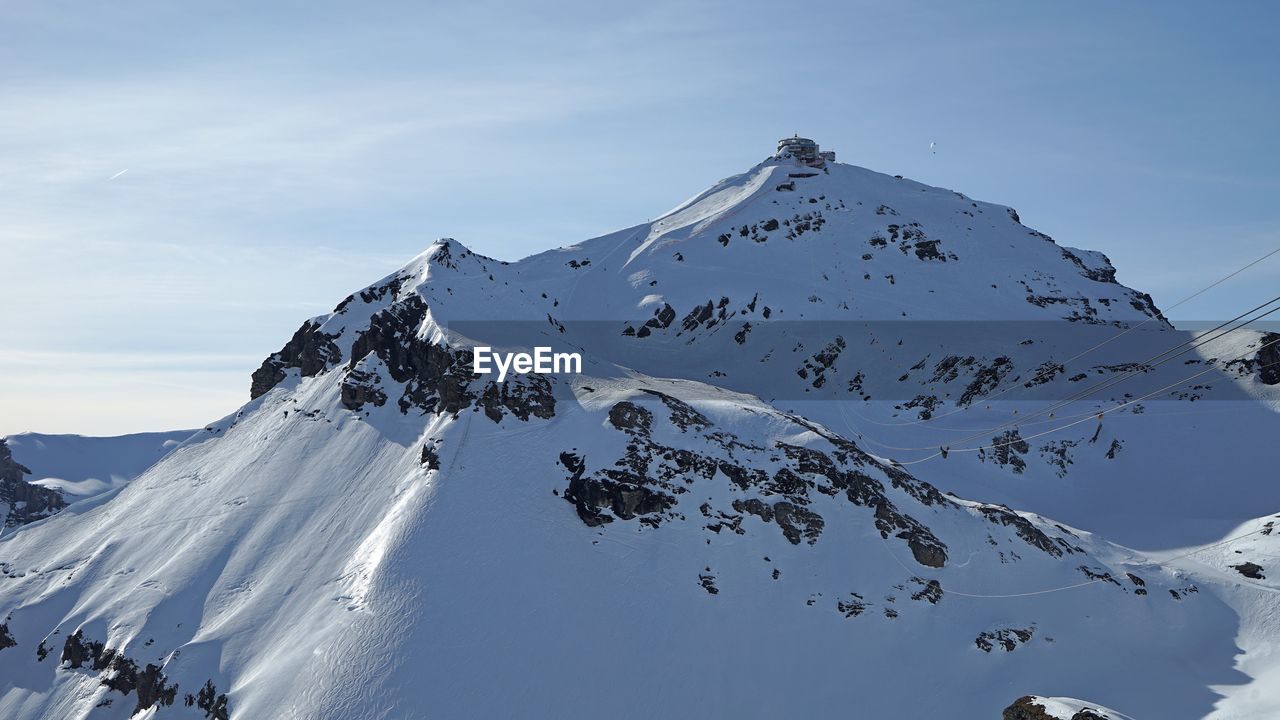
710	520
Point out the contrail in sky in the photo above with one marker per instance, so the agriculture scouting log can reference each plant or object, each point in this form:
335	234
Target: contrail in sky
113	177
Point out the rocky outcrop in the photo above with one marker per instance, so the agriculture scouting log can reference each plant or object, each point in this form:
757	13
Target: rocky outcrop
435	377
118	672
1268	359
26	502
524	396
1006	450
853	607
647	481
1251	570
213	703
1007	639
985	380
930	590
1026	530
625	496
310	350
149	684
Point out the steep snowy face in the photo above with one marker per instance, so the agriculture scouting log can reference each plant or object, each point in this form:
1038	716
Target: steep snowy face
383	532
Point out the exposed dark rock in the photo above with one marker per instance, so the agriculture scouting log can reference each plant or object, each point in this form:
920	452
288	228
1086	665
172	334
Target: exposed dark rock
705	315
524	397
213	703
853	607
1101	575
861	489
949	367
1104	274
629	417
682	414
120	673
625	500
1058	455
430	458
797	523
931	591
926	403
1143	303
435	378
662	317
152	689
928	250
986	380
309	350
821	362
360	387
1007	449
1268	359
645	482
1025	529
6	638
755	506
708	583
1248	569
27	502
1006	638
1045	373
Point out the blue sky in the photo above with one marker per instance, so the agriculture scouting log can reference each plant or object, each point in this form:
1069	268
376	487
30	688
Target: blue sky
281	155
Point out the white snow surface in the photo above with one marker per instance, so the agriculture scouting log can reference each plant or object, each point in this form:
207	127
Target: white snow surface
321	554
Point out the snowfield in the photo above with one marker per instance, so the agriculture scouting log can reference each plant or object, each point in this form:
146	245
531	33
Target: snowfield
835	450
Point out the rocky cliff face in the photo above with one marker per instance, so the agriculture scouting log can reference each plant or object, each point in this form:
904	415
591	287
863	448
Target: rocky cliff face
23	501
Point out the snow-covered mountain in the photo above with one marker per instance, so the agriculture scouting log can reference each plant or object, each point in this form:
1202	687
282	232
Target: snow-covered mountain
831	451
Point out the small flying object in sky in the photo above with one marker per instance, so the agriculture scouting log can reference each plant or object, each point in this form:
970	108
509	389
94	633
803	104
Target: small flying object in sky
933	148
113	177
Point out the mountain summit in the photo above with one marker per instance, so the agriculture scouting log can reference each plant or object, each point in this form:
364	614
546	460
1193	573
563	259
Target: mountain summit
791	479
